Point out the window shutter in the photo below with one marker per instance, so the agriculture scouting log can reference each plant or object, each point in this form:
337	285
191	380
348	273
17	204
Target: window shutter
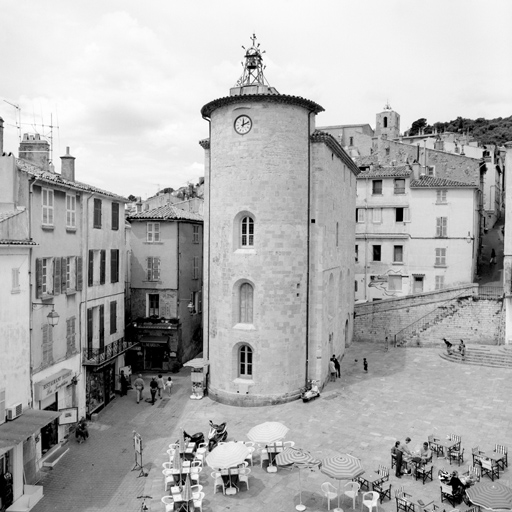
63	274
79	273
114	265
90	325
102	326
103	265
156	268
113	317
39	278
438	226
91	268
56	276
115	216
156	232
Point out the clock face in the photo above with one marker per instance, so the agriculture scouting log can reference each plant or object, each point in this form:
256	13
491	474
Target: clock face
243	124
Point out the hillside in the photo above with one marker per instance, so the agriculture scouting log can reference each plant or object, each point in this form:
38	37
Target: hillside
487	131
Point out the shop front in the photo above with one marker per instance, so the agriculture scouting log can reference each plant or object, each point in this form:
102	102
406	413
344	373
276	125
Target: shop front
100	387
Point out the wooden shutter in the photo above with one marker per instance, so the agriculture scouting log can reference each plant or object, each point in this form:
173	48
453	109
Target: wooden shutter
79	273
56	276
115	216
114	265
91	268
113	317
90	326
156	269
39	278
63	274
102	326
103	265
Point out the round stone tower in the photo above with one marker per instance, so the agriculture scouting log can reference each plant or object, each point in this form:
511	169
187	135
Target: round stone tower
257	237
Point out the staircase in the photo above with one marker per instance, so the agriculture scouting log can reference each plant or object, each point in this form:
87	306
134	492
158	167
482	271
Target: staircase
482	355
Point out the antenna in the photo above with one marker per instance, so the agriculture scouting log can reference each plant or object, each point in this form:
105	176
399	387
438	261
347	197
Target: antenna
17	118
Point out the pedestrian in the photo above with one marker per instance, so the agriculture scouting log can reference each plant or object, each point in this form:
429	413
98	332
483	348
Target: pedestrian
168	385
124	383
139	386
161	385
332	369
462	350
396	453
493	256
337	366
365	365
448	346
153	388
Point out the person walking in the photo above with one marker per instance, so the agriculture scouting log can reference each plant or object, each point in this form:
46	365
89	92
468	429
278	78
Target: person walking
337	366
365	365
332	369
396	451
153	388
124	383
462	350
448	346
168	385
161	385
139	387
493	257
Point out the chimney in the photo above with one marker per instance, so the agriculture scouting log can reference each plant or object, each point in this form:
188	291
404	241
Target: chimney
35	150
67	167
416	170
138	205
1	136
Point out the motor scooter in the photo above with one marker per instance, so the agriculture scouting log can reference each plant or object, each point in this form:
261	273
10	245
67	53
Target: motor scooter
196	438
310	391
217	434
81	431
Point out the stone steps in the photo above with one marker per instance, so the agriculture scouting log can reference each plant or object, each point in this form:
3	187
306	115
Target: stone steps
482	355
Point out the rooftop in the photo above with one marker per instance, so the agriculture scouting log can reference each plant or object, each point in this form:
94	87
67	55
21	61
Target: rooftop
433	182
392	171
166	212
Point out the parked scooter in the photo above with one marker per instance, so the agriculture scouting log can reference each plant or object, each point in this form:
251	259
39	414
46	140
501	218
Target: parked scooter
81	431
217	434
196	438
310	391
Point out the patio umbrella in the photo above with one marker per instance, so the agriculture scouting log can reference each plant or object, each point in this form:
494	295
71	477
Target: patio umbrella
227	455
342	467
268	432
199	362
490	495
176	461
182	442
300	459
187	491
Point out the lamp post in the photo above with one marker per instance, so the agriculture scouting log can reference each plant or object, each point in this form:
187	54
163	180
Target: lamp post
52	317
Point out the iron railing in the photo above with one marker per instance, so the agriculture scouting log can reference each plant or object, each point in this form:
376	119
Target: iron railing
490	292
97	356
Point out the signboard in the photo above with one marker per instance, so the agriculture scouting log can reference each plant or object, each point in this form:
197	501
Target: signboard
52	384
68	416
137	442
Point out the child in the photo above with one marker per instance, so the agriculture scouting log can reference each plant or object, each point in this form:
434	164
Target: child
365	365
168	385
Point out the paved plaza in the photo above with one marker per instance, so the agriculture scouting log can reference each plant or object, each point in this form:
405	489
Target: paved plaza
406	392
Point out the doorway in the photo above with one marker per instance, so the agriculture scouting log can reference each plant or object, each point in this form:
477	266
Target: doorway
418	285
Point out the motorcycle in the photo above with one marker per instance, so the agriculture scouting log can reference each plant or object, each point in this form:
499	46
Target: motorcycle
310	391
196	438
81	431
217	434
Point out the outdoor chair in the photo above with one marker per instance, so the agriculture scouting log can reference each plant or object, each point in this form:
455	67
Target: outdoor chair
402	503
490	468
434	447
447	494
249	456
263	456
457	439
171	454
424	472
456	455
474	470
433	509
168	478
475	452
329	492
384	492
217	480
351	490
498	448
473	509
167	465
168	501
243	476
288	444
384	472
194	474
370	500
174	446
198	502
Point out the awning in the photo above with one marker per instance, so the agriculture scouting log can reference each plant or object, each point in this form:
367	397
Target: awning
154	339
16	431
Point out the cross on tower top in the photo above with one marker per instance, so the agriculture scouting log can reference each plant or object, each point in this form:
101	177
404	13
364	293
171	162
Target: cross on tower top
253	66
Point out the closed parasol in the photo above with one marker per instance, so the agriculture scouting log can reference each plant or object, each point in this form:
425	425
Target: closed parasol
300	459
342	467
227	455
491	495
268	432
187	491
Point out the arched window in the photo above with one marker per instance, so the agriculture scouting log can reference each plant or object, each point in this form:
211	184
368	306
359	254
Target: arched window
246	300
385	122
245	361
247	232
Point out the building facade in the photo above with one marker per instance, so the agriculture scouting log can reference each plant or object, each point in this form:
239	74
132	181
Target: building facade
166	286
279	233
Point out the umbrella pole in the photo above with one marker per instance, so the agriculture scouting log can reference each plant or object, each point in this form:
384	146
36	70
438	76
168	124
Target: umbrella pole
300	506
338	509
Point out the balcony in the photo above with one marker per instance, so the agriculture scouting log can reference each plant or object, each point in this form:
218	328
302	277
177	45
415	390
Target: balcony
156	322
100	356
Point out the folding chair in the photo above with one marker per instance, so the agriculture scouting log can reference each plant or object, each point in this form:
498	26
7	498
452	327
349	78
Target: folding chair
384	472
402	503
424	472
384	492
498	448
434	446
490	468
447	494
457	455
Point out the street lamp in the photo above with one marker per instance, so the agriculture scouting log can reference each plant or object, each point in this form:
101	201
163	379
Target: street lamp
52	317
191	308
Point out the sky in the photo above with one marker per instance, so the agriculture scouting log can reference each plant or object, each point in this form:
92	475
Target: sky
123	82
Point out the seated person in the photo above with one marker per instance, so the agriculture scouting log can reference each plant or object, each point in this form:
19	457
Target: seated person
425	453
457	486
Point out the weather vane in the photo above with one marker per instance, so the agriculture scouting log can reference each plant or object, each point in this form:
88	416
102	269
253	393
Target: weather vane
253	66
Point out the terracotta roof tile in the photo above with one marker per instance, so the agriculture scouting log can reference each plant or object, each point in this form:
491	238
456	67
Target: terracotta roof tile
166	212
393	171
6	241
9	214
365	161
433	182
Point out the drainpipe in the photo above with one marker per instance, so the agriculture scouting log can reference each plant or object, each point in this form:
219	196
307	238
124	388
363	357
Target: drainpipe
308	247
366	239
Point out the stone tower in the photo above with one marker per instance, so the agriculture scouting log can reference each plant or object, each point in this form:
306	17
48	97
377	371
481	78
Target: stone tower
258	307
387	123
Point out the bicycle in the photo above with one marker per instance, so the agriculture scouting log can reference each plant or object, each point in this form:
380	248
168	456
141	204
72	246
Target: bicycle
143	506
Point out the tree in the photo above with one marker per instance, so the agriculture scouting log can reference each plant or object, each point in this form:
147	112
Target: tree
132	198
417	126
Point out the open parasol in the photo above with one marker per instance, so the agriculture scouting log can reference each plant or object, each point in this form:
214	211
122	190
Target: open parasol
268	432
490	495
227	455
199	362
300	459
342	467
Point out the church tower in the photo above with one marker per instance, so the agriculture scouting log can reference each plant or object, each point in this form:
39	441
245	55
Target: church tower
260	296
387	124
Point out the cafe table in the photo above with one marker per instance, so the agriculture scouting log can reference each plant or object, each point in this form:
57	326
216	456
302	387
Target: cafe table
273	449
420	503
447	444
230	477
367	480
498	458
189	452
